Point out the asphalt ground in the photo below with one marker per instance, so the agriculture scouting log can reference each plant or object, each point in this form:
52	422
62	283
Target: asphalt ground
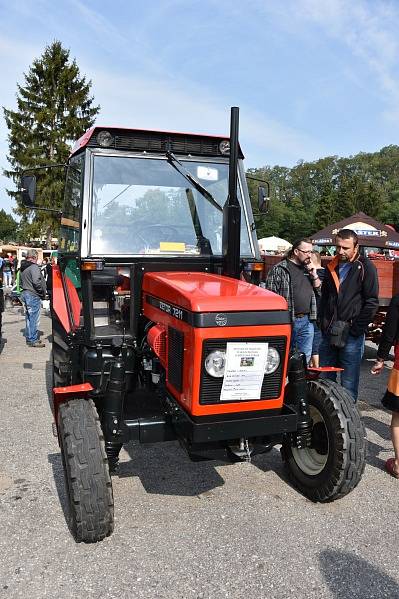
183	529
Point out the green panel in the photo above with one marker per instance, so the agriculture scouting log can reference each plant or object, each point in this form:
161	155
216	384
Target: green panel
72	271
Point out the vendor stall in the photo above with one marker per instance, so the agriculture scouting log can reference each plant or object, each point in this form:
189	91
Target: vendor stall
371	233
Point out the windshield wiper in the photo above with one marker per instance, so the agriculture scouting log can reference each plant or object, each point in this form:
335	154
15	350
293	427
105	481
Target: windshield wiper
173	161
203	243
117	195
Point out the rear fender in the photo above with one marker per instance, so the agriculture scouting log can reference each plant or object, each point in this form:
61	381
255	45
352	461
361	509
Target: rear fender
314	373
66	302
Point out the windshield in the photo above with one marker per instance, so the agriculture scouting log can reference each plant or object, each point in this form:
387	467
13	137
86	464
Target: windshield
145	206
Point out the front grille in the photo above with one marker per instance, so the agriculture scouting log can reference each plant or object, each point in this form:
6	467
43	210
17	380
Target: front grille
175	358
154	141
211	387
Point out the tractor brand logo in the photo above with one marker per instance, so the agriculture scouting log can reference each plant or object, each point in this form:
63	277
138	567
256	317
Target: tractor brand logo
221	320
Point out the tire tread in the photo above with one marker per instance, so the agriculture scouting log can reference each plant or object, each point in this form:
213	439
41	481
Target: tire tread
350	457
85	462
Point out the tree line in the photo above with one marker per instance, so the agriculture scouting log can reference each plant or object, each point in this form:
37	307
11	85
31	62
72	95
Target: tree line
311	195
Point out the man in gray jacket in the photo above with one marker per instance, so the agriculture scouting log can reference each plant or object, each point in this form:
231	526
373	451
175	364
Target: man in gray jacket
296	279
33	288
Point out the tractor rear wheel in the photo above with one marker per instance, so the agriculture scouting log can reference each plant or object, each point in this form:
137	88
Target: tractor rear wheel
88	483
335	462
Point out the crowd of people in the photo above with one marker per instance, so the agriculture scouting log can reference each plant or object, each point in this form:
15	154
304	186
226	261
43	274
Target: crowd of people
7	267
7	270
331	310
30	280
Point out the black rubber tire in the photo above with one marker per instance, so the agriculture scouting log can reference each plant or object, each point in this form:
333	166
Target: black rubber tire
88	483
60	354
345	437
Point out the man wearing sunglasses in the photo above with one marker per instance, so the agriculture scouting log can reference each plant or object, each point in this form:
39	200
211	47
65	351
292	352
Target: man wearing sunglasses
296	279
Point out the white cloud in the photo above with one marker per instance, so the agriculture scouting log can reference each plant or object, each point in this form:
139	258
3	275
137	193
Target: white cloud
99	24
15	59
174	105
369	30
357	37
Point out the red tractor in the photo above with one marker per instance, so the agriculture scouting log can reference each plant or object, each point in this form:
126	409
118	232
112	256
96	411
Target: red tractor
157	337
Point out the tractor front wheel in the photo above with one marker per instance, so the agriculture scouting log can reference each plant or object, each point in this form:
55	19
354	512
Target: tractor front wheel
335	462
88	483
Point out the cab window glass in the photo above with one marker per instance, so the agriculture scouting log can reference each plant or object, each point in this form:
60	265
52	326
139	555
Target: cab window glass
146	206
70	220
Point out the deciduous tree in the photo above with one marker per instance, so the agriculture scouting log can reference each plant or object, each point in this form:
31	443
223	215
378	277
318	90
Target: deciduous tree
311	195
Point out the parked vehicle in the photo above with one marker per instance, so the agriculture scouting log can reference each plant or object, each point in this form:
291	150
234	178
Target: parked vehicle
156	337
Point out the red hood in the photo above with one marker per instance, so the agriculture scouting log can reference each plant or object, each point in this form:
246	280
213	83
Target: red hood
202	292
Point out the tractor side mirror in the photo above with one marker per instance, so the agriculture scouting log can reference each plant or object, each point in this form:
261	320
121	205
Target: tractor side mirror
28	190
264	198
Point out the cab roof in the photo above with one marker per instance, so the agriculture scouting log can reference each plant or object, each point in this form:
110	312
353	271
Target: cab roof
144	140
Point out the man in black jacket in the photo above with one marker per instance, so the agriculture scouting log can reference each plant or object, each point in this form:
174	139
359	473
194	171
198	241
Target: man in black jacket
33	288
349	301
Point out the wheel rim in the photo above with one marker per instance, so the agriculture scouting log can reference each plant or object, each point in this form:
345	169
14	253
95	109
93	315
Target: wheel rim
309	459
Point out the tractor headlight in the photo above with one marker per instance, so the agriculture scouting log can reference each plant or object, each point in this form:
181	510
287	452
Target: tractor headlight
273	360
105	139
224	147
215	363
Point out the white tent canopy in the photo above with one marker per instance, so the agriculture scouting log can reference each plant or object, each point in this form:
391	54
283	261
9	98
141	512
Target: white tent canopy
274	244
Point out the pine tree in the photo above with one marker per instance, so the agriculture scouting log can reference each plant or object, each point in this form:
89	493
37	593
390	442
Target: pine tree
54	108
8	227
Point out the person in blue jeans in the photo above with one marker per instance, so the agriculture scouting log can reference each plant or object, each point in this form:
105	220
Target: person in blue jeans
296	279
349	300
7	271
349	358
33	288
302	335
315	361
1	298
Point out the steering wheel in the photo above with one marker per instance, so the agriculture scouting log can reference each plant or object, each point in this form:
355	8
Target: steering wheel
150	235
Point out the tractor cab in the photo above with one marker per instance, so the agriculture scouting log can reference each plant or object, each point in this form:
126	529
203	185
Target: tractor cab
144	201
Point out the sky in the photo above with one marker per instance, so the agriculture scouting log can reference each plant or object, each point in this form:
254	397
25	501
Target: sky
311	78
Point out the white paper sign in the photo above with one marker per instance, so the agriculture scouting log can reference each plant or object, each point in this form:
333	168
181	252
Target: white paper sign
244	371
207	174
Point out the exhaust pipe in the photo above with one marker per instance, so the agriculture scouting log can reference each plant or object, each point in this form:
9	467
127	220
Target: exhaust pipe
231	209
